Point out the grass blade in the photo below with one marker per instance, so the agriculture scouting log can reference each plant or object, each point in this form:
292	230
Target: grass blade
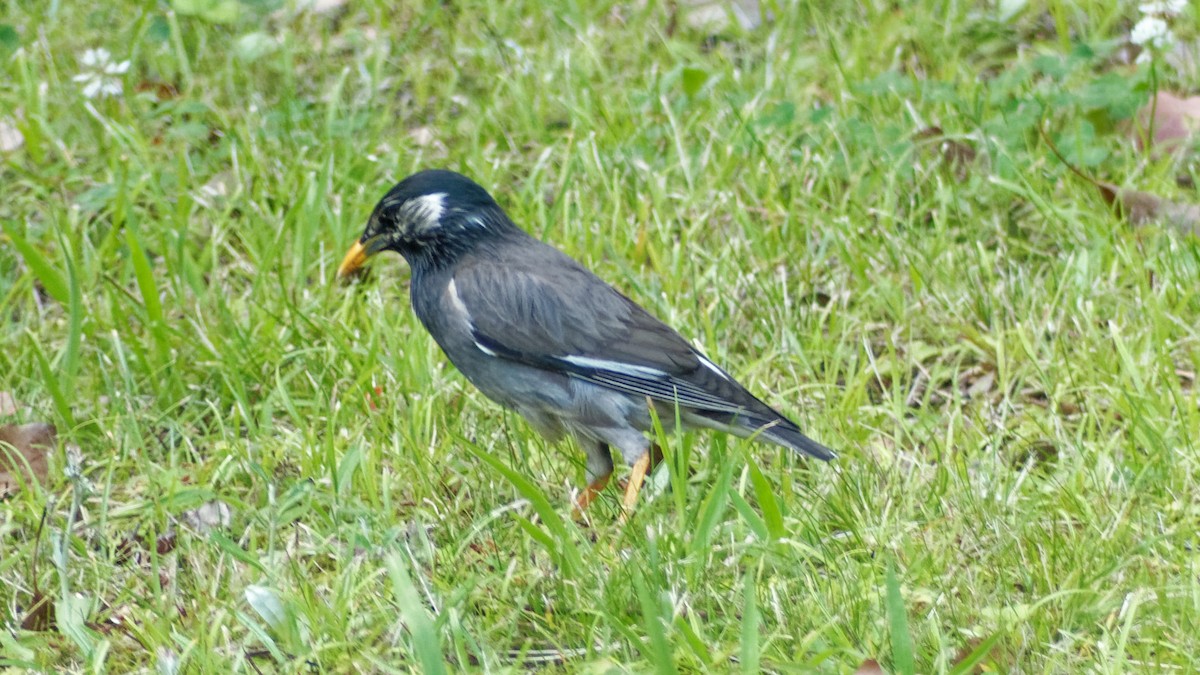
50	379
750	627
748	514
144	273
772	514
75	310
711	512
52	280
566	553
902	646
967	663
425	640
659	649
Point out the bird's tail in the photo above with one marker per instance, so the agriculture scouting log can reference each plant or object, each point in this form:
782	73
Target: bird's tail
789	437
779	430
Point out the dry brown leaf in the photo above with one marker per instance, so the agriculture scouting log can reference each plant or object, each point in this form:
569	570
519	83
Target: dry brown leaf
966	652
163	91
956	154
1187	378
1172	121
40	616
870	667
1141	208
23	454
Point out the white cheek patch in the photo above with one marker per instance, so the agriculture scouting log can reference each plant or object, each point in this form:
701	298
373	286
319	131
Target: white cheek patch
425	212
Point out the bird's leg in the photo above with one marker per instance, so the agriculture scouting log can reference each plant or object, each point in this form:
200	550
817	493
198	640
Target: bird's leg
590	493
599	470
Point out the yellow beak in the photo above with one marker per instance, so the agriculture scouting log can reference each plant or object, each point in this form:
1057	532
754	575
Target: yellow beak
354	259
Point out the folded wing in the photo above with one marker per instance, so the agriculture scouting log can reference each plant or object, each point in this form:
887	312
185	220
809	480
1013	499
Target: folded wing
563	318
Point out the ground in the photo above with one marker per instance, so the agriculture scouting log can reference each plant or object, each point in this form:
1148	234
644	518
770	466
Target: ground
850	207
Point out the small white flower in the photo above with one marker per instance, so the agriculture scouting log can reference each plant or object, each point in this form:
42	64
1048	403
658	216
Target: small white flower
1151	31
100	74
1164	7
95	57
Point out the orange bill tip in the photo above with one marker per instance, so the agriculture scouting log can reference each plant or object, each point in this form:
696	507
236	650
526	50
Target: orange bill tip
355	257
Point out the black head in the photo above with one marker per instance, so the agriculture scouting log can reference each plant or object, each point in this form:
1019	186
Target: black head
433	216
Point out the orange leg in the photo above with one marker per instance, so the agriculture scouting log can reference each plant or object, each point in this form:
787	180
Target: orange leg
590	493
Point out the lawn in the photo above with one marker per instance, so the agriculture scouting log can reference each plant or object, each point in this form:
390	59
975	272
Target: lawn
853	207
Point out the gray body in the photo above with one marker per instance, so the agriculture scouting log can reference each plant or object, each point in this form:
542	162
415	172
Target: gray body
573	312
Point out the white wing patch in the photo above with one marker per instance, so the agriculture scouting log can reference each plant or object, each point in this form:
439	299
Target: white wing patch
461	307
614	366
712	366
457	303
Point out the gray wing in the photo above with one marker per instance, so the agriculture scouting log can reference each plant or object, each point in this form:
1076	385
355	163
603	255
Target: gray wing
557	315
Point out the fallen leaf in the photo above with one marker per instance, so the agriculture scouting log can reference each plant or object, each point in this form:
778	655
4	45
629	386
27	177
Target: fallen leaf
869	667
23	451
10	137
8	404
422	137
973	657
1187	378
956	154
979	380
41	614
1141	208
320	6
1170	119
162	91
714	15
208	516
131	548
1038	453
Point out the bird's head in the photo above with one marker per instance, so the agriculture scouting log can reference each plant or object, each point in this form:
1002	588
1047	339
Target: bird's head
429	218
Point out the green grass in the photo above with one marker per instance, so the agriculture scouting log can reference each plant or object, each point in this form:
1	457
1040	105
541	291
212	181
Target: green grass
166	277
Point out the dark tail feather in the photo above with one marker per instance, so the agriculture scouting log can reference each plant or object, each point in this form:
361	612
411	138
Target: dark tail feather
779	430
792	438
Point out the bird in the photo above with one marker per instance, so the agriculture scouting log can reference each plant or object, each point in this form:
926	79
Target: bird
540	334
